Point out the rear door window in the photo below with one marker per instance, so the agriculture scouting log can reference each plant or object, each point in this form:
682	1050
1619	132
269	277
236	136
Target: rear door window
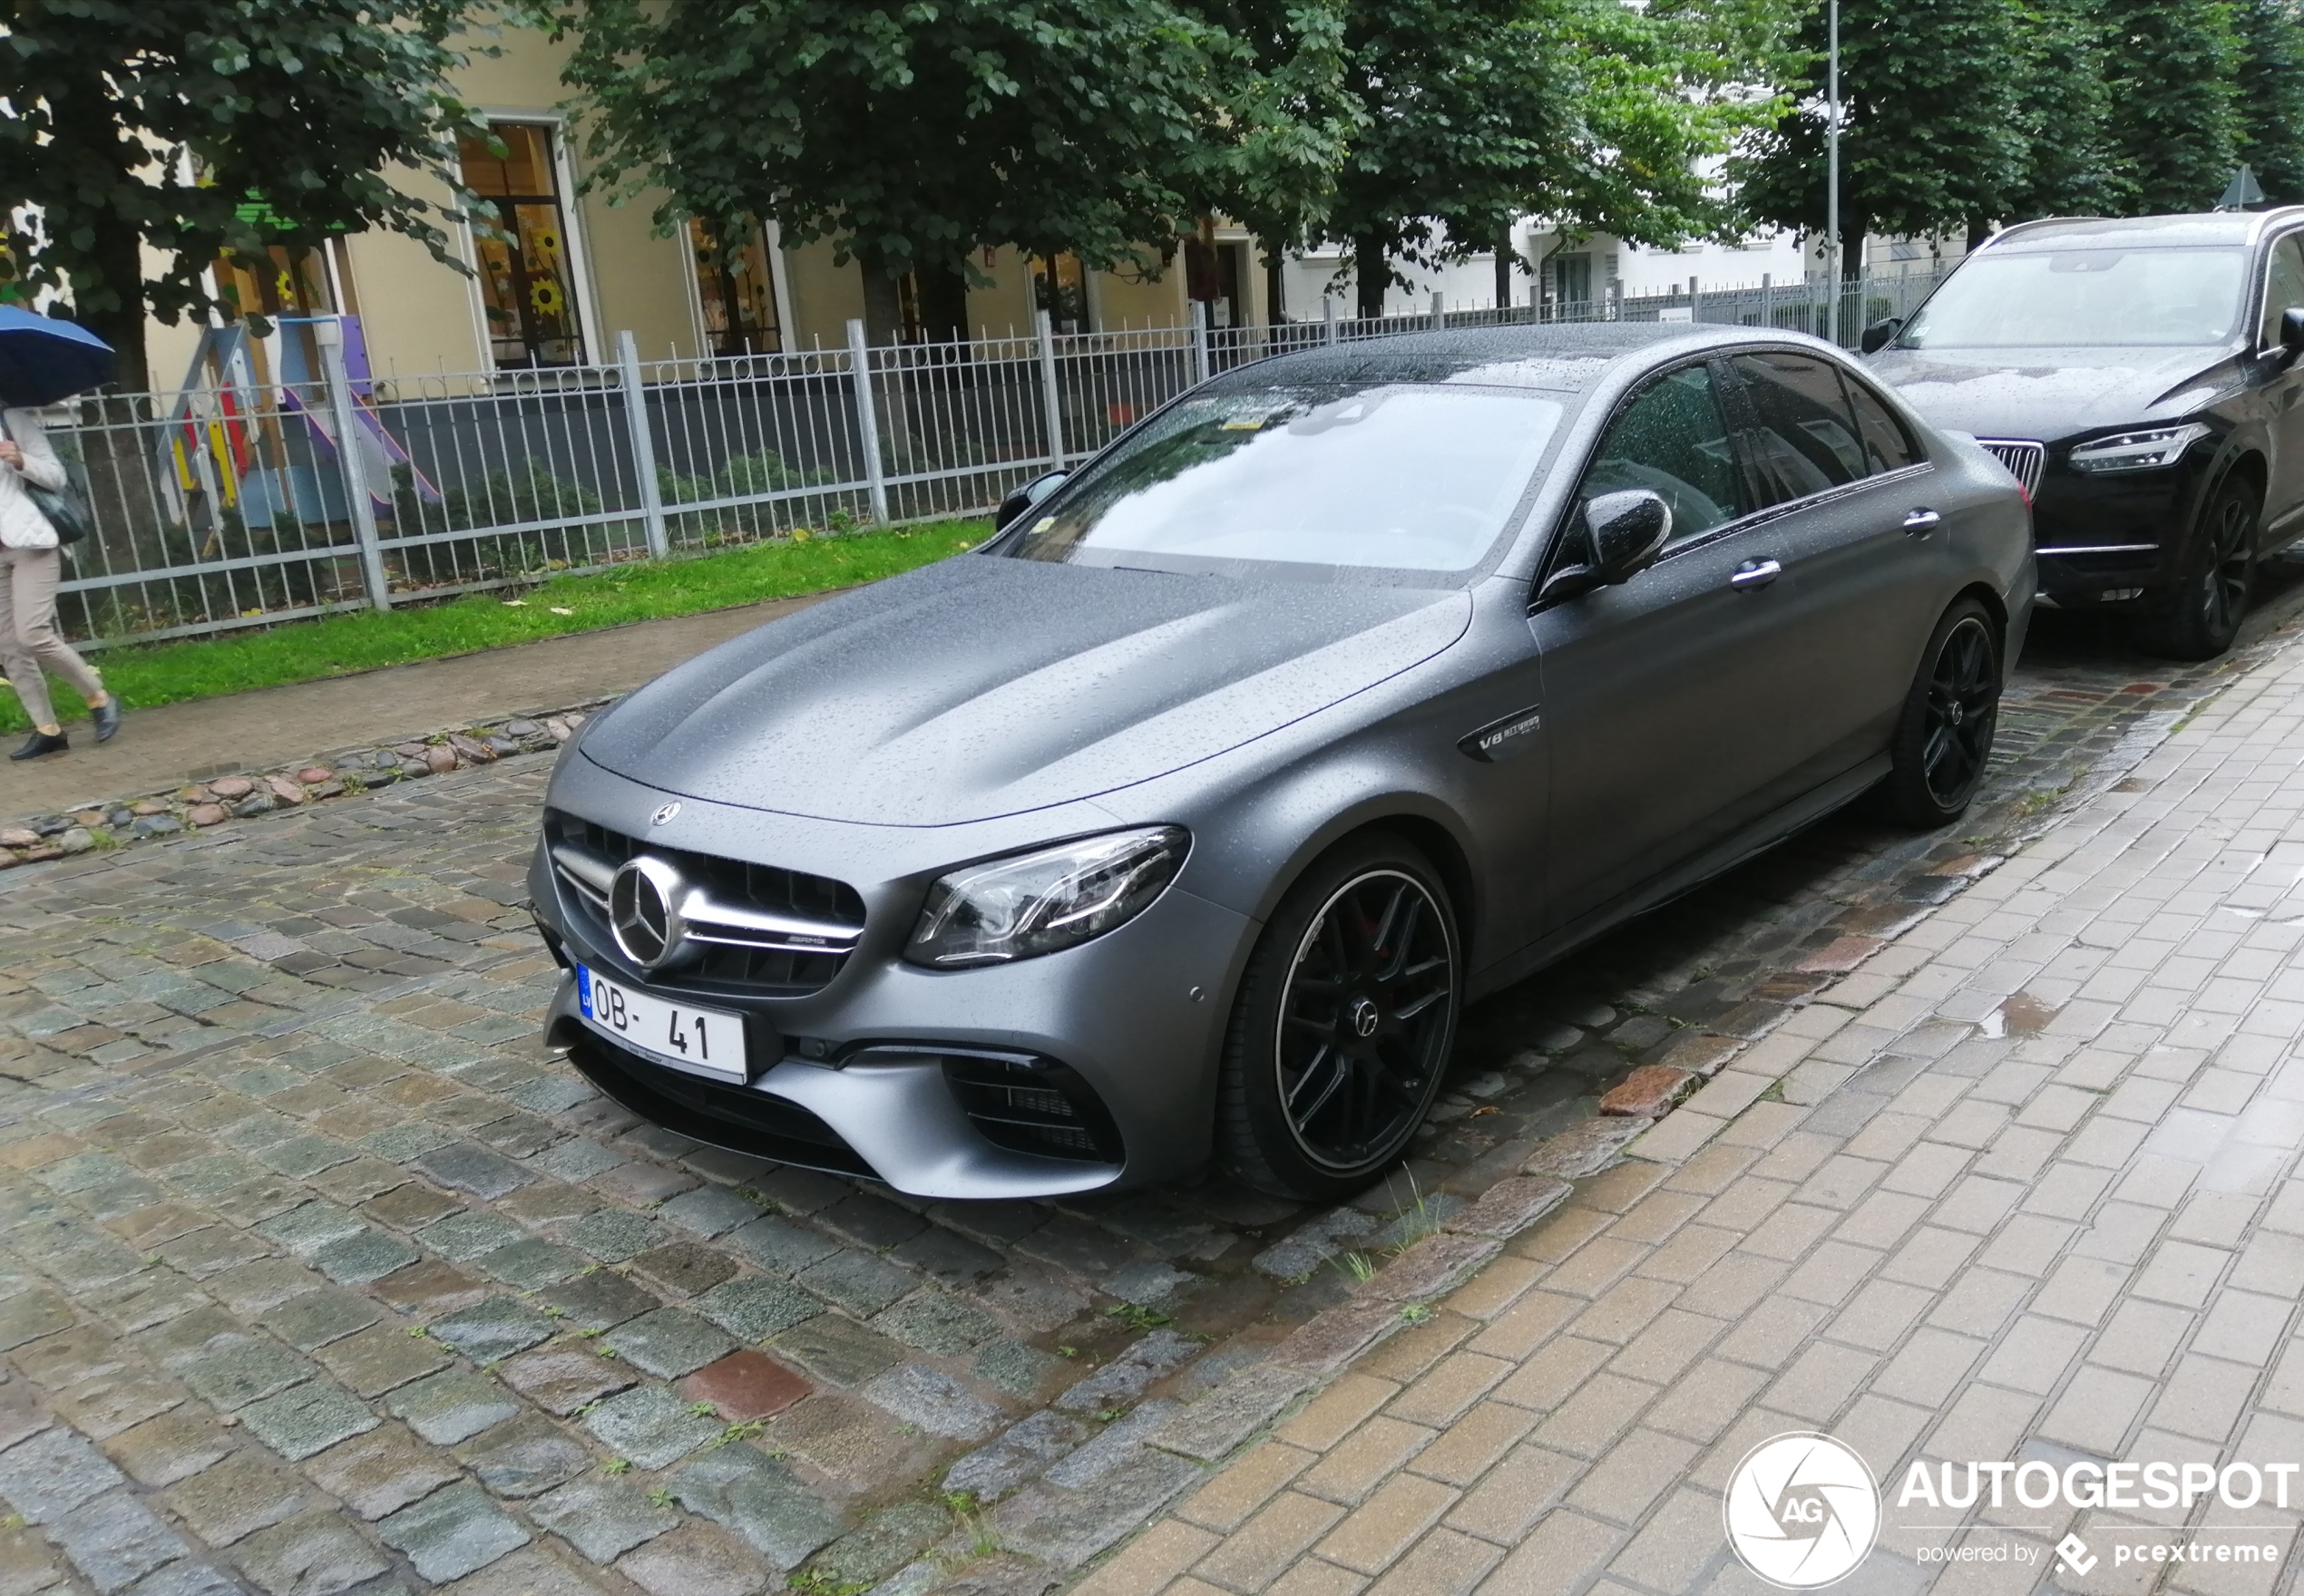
1886	445
1672	437
1799	433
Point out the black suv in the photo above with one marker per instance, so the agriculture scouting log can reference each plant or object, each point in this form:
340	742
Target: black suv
2140	379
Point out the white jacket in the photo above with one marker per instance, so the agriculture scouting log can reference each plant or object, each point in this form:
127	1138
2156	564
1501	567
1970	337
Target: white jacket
21	526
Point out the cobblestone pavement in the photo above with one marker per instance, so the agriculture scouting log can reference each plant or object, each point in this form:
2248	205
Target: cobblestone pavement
315	1277
2024	1188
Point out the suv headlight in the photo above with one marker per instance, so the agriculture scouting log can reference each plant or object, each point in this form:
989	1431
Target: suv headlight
1047	900
2138	451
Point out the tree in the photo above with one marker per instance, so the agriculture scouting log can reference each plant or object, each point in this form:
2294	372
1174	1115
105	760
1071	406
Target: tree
2070	167
1595	115
1930	132
912	131
2272	94
2173	68
194	127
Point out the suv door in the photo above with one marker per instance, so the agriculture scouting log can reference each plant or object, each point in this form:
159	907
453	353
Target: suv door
1841	489
2283	395
1673	707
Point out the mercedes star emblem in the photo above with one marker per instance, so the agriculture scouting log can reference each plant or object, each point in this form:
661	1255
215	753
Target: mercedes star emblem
644	911
663	814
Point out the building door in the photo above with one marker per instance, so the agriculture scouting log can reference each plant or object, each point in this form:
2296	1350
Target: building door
527	284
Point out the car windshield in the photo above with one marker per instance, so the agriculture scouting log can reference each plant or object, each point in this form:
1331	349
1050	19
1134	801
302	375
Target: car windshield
2069	298
1401	478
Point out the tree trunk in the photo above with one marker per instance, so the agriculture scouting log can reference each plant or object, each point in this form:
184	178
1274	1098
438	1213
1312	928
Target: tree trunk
883	314
1275	309
1980	230
1372	272
1505	259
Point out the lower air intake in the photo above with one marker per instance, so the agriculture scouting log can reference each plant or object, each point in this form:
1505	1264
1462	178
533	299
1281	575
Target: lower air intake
1033	1105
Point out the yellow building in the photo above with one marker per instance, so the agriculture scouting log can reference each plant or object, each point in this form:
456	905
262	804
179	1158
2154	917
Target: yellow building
575	270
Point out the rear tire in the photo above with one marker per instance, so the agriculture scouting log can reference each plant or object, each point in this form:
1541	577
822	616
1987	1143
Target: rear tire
1944	736
2199	617
1343	1025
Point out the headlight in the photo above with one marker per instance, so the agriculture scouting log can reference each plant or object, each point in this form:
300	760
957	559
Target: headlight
1051	898
2138	451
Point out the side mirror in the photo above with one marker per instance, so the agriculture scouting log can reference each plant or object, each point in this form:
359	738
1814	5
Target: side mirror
1623	532
2293	331
1022	499
1877	335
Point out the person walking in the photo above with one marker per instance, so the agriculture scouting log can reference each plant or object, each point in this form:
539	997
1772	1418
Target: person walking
31	565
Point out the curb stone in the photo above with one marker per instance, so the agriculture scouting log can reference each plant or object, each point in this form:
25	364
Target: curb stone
247	794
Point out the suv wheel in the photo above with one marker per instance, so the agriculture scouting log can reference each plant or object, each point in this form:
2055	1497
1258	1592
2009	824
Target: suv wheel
1343	1025
2199	615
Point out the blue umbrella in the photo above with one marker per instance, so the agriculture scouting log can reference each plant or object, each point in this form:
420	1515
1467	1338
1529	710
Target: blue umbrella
42	360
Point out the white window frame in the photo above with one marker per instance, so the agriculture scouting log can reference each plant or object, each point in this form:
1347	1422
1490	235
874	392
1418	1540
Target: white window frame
577	239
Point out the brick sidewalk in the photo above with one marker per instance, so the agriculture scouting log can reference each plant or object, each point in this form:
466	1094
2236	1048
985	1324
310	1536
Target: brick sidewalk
2022	1188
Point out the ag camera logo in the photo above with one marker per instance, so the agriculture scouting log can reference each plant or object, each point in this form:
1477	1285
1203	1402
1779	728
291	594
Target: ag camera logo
1802	1511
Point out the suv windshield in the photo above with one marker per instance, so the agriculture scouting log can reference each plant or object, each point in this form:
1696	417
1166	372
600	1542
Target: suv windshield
1401	478
2069	298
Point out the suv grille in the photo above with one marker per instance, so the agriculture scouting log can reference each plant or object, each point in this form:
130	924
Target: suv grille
758	929
2022	458
1033	1105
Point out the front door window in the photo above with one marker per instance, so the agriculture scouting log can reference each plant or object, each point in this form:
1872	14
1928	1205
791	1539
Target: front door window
526	284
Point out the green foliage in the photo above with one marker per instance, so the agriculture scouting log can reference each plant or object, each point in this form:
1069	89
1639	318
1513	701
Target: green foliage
1138	1317
912	131
1931	135
2271	93
1595	114
2070	167
2172	67
153	122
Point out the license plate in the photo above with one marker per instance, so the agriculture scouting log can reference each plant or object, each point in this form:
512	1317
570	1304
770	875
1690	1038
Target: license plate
709	1040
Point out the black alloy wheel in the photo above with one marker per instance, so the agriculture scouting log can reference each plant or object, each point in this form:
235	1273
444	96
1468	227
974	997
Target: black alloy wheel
1943	738
2200	615
1344	1026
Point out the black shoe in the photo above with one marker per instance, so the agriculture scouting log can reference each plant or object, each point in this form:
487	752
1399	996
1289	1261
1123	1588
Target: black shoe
40	743
107	718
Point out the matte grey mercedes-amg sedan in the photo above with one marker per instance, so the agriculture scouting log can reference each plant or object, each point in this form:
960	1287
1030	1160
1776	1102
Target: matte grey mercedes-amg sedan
1181	819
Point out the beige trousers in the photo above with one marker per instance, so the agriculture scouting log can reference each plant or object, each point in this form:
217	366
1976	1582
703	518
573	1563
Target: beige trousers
28	637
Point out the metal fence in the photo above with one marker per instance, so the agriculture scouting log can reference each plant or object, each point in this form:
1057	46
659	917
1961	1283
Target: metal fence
252	501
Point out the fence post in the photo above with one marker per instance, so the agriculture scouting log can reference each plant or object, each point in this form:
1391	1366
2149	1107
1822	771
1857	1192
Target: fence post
1767	300
867	422
1439	312
1695	301
329	335
1327	319
1051	400
1200	341
628	359
1616	300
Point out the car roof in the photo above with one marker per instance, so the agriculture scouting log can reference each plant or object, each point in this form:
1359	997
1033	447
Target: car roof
2141	232
1558	356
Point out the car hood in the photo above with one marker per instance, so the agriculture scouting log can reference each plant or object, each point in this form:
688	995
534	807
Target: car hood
984	686
2051	393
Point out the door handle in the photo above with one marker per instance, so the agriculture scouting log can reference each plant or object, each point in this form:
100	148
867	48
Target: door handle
1755	573
1921	522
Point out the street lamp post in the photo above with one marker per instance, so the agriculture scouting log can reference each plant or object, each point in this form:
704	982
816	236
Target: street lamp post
1831	175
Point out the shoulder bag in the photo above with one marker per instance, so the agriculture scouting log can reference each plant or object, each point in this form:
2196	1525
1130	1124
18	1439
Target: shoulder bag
66	508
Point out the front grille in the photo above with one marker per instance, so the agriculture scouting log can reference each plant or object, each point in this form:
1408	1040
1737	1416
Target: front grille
725	1116
2022	456
1033	1105
757	930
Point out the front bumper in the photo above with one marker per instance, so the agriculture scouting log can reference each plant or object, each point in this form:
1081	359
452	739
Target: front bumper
871	1076
2102	539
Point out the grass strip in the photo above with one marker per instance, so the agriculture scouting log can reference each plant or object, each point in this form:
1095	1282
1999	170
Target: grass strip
339	644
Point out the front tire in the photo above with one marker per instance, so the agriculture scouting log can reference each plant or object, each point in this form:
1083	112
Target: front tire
2200	615
1344	1024
1944	736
